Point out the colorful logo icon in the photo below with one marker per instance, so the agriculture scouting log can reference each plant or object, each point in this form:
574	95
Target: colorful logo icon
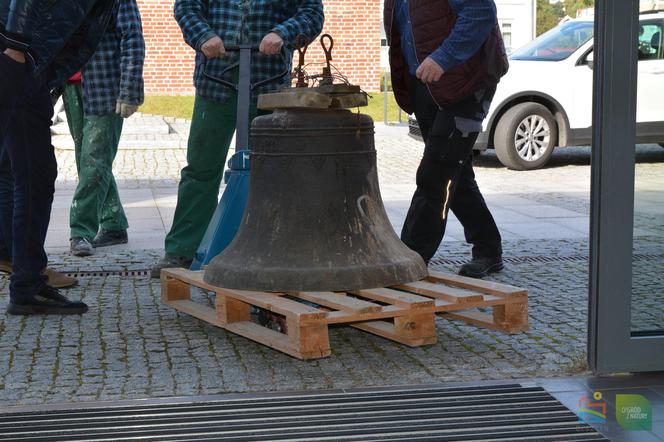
633	412
593	411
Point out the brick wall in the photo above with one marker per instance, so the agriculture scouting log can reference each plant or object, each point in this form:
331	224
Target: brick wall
354	24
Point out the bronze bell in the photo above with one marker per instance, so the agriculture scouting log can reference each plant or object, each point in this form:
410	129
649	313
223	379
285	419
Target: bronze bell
315	220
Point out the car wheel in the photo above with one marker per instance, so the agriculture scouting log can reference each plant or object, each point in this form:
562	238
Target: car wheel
525	136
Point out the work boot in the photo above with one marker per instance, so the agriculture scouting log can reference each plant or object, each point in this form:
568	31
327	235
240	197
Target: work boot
6	267
80	246
170	262
59	280
56	279
481	267
47	302
107	238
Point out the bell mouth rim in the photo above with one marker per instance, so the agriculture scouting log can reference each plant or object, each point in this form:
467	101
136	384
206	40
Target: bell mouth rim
336	279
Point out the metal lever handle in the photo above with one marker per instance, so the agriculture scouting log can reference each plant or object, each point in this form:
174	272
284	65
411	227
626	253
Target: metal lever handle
285	57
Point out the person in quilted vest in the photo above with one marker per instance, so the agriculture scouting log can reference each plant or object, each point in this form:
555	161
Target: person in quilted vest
446	59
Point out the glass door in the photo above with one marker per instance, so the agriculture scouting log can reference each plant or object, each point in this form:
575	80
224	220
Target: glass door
626	304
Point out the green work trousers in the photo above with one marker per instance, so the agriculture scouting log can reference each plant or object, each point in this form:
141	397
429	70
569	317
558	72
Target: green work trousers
96	204
212	128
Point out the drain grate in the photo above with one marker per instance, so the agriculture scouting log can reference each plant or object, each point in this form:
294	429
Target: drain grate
516	260
102	273
503	412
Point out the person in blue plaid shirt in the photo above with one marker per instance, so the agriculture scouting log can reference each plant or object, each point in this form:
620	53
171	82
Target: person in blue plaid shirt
111	89
207	26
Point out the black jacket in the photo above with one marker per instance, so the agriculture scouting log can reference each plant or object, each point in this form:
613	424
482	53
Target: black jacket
58	36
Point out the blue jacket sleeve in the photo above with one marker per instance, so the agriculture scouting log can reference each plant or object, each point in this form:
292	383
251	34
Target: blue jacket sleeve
191	17
475	20
308	20
132	53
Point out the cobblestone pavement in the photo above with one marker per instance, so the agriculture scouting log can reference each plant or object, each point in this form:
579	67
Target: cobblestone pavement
130	346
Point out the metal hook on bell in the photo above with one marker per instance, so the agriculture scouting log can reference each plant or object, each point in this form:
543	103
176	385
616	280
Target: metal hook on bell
327	70
302	43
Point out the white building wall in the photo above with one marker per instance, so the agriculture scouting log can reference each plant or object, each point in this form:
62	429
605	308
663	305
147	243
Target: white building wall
517	19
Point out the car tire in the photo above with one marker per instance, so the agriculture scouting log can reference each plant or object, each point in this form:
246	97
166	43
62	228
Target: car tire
526	136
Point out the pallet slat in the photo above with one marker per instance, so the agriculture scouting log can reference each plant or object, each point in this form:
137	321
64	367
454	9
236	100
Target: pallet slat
339	301
442	292
395	297
494	288
275	303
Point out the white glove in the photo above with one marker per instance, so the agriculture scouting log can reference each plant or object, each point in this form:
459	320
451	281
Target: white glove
126	110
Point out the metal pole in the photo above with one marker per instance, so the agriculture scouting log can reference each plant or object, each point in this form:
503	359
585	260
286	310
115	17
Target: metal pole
244	98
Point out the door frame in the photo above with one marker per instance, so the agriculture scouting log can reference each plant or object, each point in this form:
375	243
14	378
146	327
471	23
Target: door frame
612	347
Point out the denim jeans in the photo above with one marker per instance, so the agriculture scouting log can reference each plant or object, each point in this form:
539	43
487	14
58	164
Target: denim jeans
25	119
6	206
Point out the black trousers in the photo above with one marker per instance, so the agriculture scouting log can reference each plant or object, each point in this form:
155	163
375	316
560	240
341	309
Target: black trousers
25	137
445	177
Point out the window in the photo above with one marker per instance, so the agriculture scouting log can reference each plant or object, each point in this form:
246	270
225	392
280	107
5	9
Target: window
558	43
650	41
507	35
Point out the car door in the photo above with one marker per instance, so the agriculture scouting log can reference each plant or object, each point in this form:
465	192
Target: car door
650	96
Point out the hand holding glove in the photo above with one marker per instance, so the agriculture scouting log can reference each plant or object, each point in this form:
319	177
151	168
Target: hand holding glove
126	110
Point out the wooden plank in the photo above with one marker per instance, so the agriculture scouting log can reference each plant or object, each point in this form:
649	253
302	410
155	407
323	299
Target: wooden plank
275	303
311	342
442	292
265	300
447	306
416	326
231	310
494	288
395	297
266	336
388	312
387	330
483	320
173	289
339	301
511	316
202	312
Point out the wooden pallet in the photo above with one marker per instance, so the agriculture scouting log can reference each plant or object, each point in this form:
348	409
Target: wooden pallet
404	314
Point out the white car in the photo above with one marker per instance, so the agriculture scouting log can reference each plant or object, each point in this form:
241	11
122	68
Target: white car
545	100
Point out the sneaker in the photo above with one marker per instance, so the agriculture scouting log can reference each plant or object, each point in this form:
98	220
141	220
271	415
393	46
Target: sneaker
80	246
170	262
107	238
56	279
481	267
47	302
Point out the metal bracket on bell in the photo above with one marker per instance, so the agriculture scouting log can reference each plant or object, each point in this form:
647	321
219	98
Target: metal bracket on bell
327	79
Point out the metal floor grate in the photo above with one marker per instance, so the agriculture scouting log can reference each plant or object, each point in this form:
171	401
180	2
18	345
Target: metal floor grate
503	412
515	260
103	273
